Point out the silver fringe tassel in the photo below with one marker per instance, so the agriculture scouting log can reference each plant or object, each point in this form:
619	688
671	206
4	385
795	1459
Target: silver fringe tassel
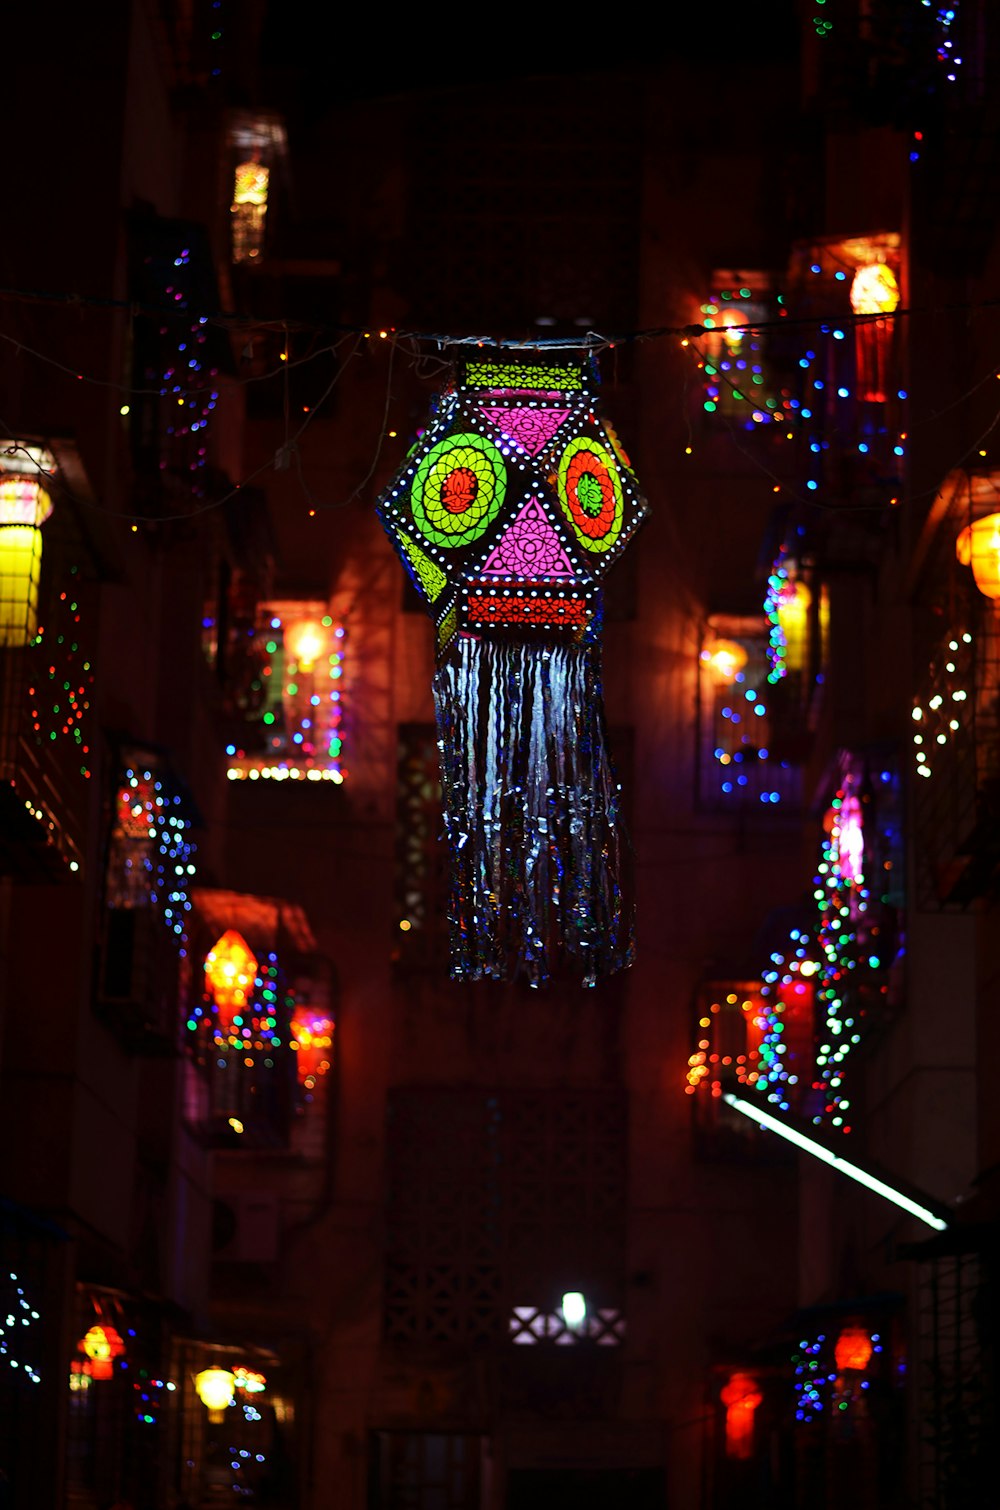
531	814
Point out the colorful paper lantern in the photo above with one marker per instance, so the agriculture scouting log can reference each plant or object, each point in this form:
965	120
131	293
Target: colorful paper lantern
507	514
230	972
978	546
102	1345
853	1349
214	1387
741	1397
24	508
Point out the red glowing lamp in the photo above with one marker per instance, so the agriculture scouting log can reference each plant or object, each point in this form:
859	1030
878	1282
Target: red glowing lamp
741	1397
853	1349
102	1345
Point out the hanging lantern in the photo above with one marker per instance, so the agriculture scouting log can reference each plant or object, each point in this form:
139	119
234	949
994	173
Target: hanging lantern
724	659
24	508
741	1397
874	291
853	1349
507	514
230	972
102	1345
214	1387
792	610
978	546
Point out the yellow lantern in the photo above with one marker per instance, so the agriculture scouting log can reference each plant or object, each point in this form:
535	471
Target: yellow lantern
874	290
978	546
724	659
215	1388
230	970
792	612
24	508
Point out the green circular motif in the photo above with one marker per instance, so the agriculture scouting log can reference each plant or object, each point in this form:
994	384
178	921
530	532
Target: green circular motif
458	490
590	493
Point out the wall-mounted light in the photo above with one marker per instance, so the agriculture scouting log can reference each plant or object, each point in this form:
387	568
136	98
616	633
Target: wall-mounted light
978	546
214	1387
724	659
844	1166
574	1310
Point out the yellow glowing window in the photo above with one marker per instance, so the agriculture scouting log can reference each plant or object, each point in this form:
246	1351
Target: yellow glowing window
249	210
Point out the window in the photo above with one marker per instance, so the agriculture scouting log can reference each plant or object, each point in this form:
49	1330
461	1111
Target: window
738	763
500	1203
286	700
421	886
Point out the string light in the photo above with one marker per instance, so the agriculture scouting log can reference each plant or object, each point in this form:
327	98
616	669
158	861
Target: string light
17	1326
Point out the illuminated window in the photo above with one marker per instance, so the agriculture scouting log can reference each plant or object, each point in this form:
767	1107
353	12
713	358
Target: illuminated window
420	939
739	763
288	697
849	388
256	143
151	866
249	210
740	382
955	729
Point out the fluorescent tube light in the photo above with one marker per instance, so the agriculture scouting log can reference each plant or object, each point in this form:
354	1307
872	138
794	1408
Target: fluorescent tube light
853	1172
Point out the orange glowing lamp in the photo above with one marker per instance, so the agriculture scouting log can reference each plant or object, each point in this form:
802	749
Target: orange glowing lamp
305	642
230	971
853	1349
724	659
978	546
102	1345
741	1397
